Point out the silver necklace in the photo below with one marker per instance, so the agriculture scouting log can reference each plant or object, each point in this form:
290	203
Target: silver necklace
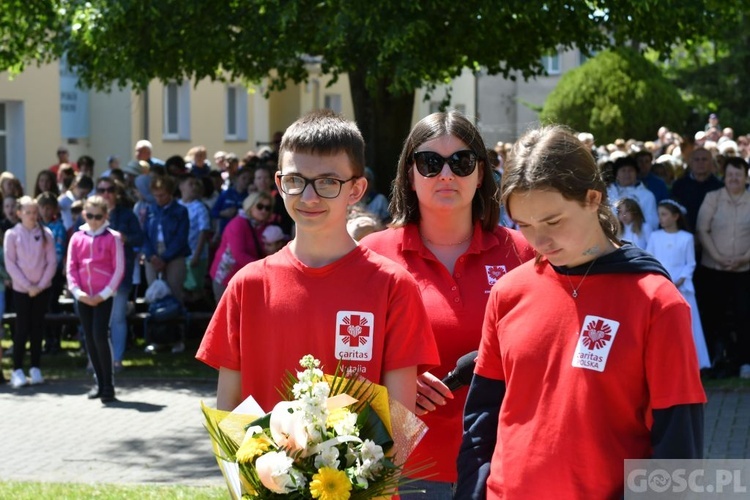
575	289
447	244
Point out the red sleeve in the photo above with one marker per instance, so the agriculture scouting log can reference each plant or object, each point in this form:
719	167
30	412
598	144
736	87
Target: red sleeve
489	362
670	349
220	346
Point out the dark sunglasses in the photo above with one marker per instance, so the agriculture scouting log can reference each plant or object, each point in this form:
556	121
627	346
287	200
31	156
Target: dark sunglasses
93	216
430	164
261	206
110	189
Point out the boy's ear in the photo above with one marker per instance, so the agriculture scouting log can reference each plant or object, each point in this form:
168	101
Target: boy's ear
277	180
359	187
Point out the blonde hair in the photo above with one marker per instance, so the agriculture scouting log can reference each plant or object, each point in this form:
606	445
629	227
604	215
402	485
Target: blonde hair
97	201
254	198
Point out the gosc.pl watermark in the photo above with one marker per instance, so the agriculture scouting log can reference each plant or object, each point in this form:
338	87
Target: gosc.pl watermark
687	479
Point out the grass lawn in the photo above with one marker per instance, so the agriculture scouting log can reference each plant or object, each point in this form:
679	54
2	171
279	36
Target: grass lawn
48	491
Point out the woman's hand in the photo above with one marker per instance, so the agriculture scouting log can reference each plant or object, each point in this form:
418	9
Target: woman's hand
431	393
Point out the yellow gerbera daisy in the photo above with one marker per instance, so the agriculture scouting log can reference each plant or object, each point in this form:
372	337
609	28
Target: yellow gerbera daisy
336	416
252	448
330	484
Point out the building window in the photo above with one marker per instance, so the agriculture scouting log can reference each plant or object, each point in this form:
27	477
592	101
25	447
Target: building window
3	140
551	63
332	102
236	113
177	112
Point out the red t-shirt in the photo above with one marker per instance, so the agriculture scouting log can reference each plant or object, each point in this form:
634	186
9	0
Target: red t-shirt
362	310
582	376
455	304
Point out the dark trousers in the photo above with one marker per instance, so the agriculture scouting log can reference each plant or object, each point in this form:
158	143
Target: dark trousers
29	327
724	303
95	323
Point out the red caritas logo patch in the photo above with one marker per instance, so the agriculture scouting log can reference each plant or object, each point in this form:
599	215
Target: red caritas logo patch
594	343
355	332
494	273
596	335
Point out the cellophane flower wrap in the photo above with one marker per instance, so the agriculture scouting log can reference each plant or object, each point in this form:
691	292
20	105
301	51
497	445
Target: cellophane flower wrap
334	438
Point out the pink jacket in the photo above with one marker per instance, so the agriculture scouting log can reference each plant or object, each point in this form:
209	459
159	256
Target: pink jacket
96	262
30	257
237	248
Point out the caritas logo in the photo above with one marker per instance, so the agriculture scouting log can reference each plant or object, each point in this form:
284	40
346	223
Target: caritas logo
594	343
354	335
596	335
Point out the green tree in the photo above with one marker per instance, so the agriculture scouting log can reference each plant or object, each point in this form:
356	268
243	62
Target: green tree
618	93
388	48
711	75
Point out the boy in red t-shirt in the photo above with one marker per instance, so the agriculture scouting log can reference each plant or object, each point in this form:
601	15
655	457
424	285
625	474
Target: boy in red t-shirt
321	294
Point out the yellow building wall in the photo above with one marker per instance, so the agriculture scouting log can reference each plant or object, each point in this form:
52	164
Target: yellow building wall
38	91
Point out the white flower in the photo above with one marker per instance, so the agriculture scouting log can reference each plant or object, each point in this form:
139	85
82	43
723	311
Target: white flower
275	472
347	426
321	390
371	451
288	426
328	457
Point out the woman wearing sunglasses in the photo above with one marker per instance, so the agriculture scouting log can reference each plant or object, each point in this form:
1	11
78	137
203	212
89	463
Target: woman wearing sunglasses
445	232
242	240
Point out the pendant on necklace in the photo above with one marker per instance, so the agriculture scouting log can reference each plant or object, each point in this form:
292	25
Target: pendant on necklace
575	294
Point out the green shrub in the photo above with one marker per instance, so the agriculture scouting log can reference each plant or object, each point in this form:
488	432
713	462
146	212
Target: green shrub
618	93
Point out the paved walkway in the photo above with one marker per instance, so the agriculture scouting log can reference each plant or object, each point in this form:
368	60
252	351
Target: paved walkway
155	433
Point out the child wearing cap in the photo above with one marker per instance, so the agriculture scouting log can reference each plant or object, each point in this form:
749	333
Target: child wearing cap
274	239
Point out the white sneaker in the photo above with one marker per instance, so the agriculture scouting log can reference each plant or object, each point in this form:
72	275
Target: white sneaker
18	379
745	371
35	374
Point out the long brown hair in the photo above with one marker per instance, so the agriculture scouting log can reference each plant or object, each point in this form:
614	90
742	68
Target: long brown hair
404	205
553	158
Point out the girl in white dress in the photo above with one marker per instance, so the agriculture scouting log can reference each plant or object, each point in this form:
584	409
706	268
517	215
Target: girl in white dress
633	227
673	246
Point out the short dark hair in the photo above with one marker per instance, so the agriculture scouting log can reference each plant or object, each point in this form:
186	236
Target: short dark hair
624	161
736	162
47	198
404	203
324	132
85	182
86	160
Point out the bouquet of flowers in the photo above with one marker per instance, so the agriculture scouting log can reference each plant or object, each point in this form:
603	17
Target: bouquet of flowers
334	438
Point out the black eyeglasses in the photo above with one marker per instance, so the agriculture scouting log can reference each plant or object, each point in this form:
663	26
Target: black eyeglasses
110	189
93	216
325	187
262	206
430	164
